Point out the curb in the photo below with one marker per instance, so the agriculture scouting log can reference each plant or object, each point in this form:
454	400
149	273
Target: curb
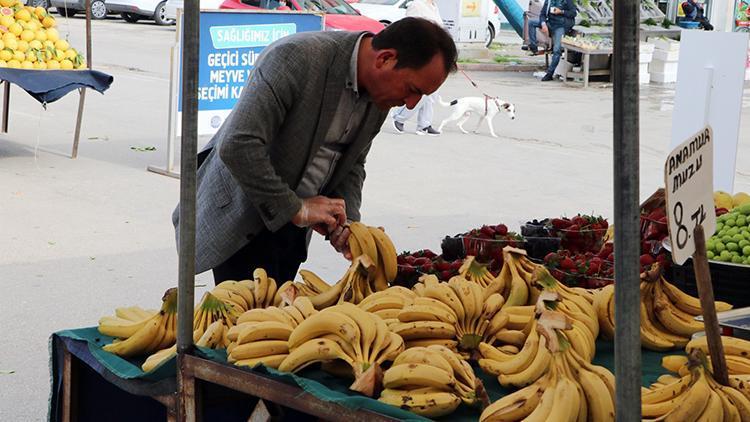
491	67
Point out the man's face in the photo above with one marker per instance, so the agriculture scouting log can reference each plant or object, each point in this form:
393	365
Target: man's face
392	87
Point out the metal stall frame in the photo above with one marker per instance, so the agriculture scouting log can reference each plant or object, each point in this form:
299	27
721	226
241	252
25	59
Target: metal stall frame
626	205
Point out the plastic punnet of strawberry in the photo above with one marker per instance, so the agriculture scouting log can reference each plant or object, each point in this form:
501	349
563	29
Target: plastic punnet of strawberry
582	233
579	269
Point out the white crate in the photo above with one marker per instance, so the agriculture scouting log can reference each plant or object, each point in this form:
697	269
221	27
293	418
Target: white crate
666	56
645	57
663	67
665	44
643	68
663	78
644	77
645	47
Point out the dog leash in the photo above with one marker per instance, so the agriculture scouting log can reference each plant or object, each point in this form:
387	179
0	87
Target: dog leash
486	97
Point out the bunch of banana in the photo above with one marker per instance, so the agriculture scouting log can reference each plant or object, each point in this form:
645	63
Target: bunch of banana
211	309
476	272
571	389
244	295
388	303
523	367
455	314
125	322
311	285
353	287
430	381
373	242
572	303
261	335
213	338
696	396
154	333
348	333
736	352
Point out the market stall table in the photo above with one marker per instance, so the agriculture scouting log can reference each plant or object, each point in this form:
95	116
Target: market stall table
586	72
47	86
83	374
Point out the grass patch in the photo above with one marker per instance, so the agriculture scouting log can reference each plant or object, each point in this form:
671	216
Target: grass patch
468	61
503	59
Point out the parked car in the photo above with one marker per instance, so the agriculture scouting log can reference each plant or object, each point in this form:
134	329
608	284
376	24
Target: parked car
134	10
99	9
170	11
389	11
340	16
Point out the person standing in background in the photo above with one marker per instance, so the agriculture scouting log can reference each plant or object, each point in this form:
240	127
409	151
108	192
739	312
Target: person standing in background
426	9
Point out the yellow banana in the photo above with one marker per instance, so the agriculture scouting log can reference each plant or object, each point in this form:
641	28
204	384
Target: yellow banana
139	342
601	406
538	367
566	402
692	402
261	287
674	363
424	330
294	313
518	405
732	345
386	252
305	306
365	240
417	374
272	361
119	327
519	362
425	342
394	347
366	324
212	335
314	281
432	403
267	330
424	356
426	313
687	303
445	294
312	351
329	322
156	359
259	348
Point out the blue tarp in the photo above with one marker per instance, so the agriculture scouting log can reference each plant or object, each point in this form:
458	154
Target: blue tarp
47	86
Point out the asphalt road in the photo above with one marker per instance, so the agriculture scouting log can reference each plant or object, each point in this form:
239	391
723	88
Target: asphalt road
81	237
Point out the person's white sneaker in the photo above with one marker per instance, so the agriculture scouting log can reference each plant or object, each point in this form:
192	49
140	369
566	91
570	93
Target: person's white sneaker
429	130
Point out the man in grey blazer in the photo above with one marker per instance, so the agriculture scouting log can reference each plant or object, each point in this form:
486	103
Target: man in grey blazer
290	157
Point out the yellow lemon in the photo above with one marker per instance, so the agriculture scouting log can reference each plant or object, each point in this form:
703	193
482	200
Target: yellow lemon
5	55
62	45
71	54
52	35
23	15
40	65
48	22
19	55
34	25
41	35
59	55
7	3
31	56
66	65
11	44
7	21
15	28
27	65
36	44
3	63
14	64
28	35
2	45
53	64
40	12
48	43
82	64
22	46
8	36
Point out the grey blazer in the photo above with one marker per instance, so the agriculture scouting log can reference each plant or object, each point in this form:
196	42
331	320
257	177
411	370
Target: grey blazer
249	170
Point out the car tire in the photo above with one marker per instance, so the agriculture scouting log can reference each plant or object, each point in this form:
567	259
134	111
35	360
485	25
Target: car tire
130	17
68	13
490	35
98	9
160	15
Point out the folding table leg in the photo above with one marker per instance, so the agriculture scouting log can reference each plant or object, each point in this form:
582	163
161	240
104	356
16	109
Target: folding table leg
77	136
6	105
69	399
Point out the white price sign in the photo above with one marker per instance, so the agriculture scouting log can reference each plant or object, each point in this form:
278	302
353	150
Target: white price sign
688	175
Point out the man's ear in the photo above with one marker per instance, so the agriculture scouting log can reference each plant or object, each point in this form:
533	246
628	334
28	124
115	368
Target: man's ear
386	58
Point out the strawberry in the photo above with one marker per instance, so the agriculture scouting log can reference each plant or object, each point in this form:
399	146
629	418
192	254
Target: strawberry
401	260
455	265
421	261
611	257
428	254
559	223
551	259
442	265
501	229
579	220
426	268
593	268
567	264
409	259
558	274
446	275
488	231
407	269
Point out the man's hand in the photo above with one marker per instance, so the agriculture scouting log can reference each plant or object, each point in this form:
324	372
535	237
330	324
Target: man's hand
545	30
339	239
321	211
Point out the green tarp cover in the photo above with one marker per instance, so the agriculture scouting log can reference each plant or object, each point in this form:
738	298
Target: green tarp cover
329	388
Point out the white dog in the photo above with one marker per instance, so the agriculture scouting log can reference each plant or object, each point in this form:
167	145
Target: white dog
485	108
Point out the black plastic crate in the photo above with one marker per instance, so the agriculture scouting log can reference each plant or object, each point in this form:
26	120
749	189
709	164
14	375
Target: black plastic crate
731	281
